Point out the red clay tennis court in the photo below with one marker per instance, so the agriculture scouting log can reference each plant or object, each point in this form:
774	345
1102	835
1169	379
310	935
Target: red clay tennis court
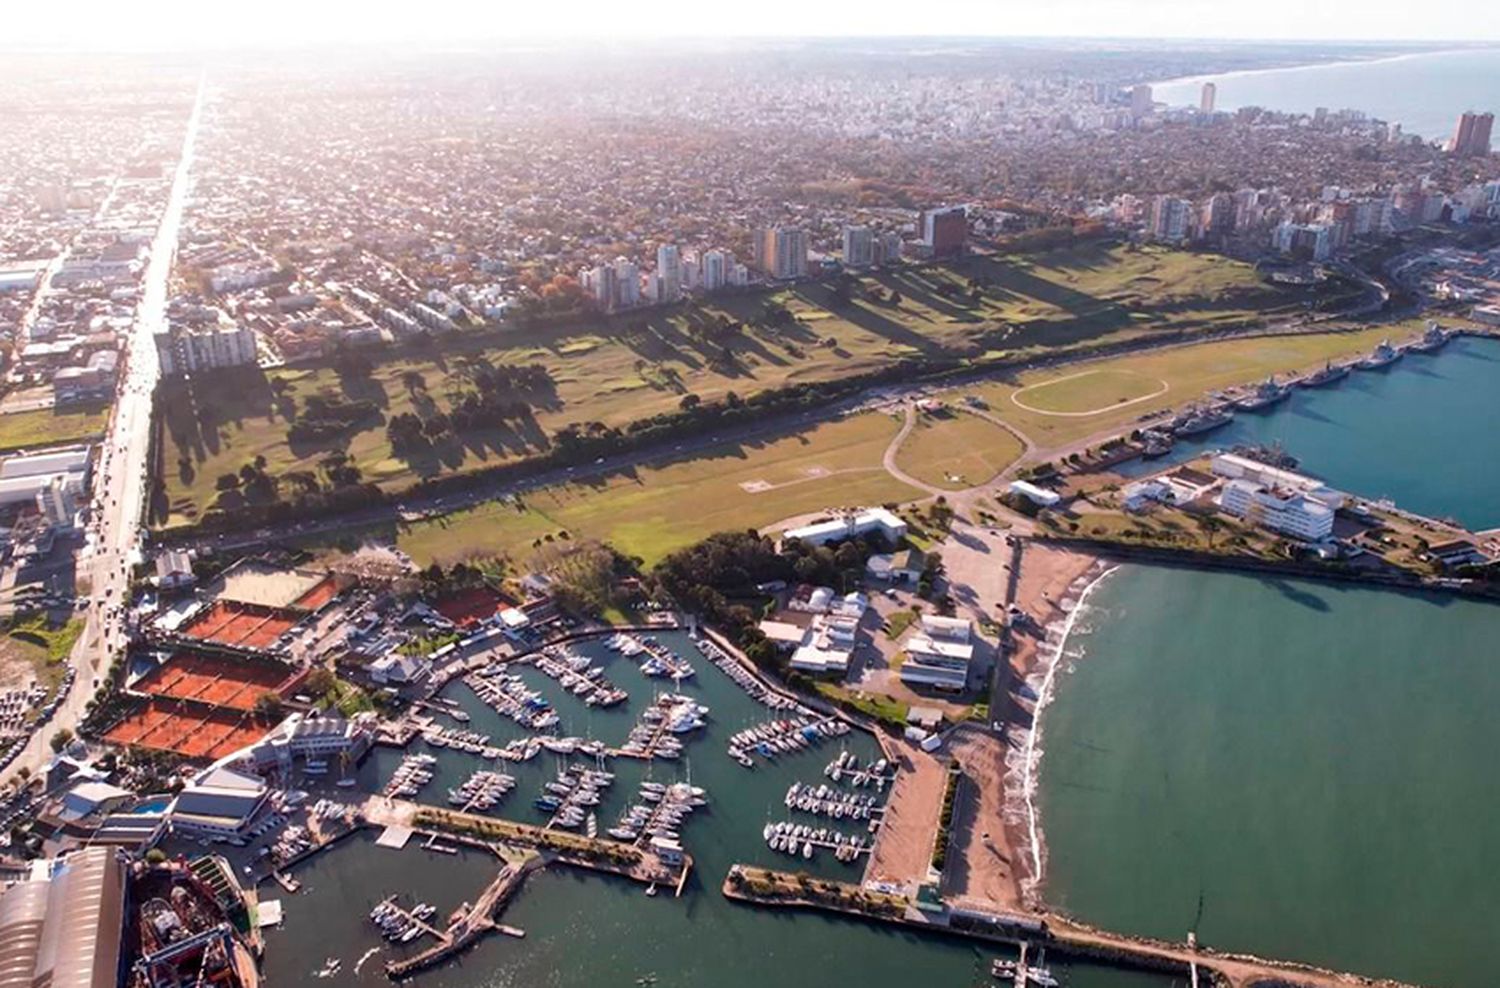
326	590
191	732
469	607
242	625
219	682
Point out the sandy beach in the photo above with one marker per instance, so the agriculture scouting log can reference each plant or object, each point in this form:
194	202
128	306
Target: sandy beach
994	863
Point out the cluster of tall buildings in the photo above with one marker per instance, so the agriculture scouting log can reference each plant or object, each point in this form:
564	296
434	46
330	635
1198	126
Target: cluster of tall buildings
779	253
1309	229
865	247
1472	135
620	284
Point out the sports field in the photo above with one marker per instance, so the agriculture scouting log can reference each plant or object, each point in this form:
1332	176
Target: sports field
617	370
654	510
1089	392
172	726
1189	372
211	680
244	625
956	450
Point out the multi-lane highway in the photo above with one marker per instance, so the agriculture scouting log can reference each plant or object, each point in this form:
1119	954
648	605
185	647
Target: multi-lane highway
112	539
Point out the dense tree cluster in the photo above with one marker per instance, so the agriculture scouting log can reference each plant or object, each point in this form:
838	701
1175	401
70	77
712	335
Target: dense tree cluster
715	578
501	394
325	416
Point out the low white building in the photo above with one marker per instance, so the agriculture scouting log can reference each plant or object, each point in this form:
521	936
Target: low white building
1232	466
851	525
1280	509
1036	495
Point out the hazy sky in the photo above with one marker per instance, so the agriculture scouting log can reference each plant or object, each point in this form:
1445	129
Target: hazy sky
177	24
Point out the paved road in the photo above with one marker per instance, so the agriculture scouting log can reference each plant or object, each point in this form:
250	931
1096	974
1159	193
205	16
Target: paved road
112	540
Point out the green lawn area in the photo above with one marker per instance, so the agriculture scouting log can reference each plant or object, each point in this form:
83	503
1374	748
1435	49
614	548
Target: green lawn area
875	705
620	369
654	510
31	638
46	426
1189	372
897	623
1089	391
956	450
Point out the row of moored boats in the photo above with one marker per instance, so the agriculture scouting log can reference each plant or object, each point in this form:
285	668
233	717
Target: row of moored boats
825	800
660	809
800	839
414	772
397	924
481	791
783	736
577	674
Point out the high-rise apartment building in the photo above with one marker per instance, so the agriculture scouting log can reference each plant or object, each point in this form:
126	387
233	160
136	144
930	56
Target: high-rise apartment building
859	247
1472	136
781	252
945	231
1206	101
669	270
185	349
1140	101
715	270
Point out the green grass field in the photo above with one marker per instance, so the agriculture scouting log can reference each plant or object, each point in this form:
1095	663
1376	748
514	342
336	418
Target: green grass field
633	366
1090	391
956	450
652	511
47	427
1189	372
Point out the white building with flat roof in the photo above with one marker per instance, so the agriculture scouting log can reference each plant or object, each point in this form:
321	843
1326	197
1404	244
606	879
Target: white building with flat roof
939	654
851	525
1036	495
1232	466
1280	509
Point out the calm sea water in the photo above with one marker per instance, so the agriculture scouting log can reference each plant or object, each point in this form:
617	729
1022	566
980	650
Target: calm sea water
1310	765
587	931
1418	431
1423	93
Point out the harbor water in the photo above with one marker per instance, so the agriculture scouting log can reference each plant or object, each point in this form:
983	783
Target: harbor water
1418	431
1291	768
587	930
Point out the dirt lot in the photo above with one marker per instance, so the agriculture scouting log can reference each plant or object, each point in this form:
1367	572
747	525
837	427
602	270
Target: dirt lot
903	847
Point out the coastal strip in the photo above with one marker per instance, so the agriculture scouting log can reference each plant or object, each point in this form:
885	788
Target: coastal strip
1030	752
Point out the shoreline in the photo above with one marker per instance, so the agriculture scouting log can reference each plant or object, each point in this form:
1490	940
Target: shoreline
1186	80
1038	671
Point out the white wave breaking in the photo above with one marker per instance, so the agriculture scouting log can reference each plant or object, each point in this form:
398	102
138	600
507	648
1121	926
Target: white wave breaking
1024	763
